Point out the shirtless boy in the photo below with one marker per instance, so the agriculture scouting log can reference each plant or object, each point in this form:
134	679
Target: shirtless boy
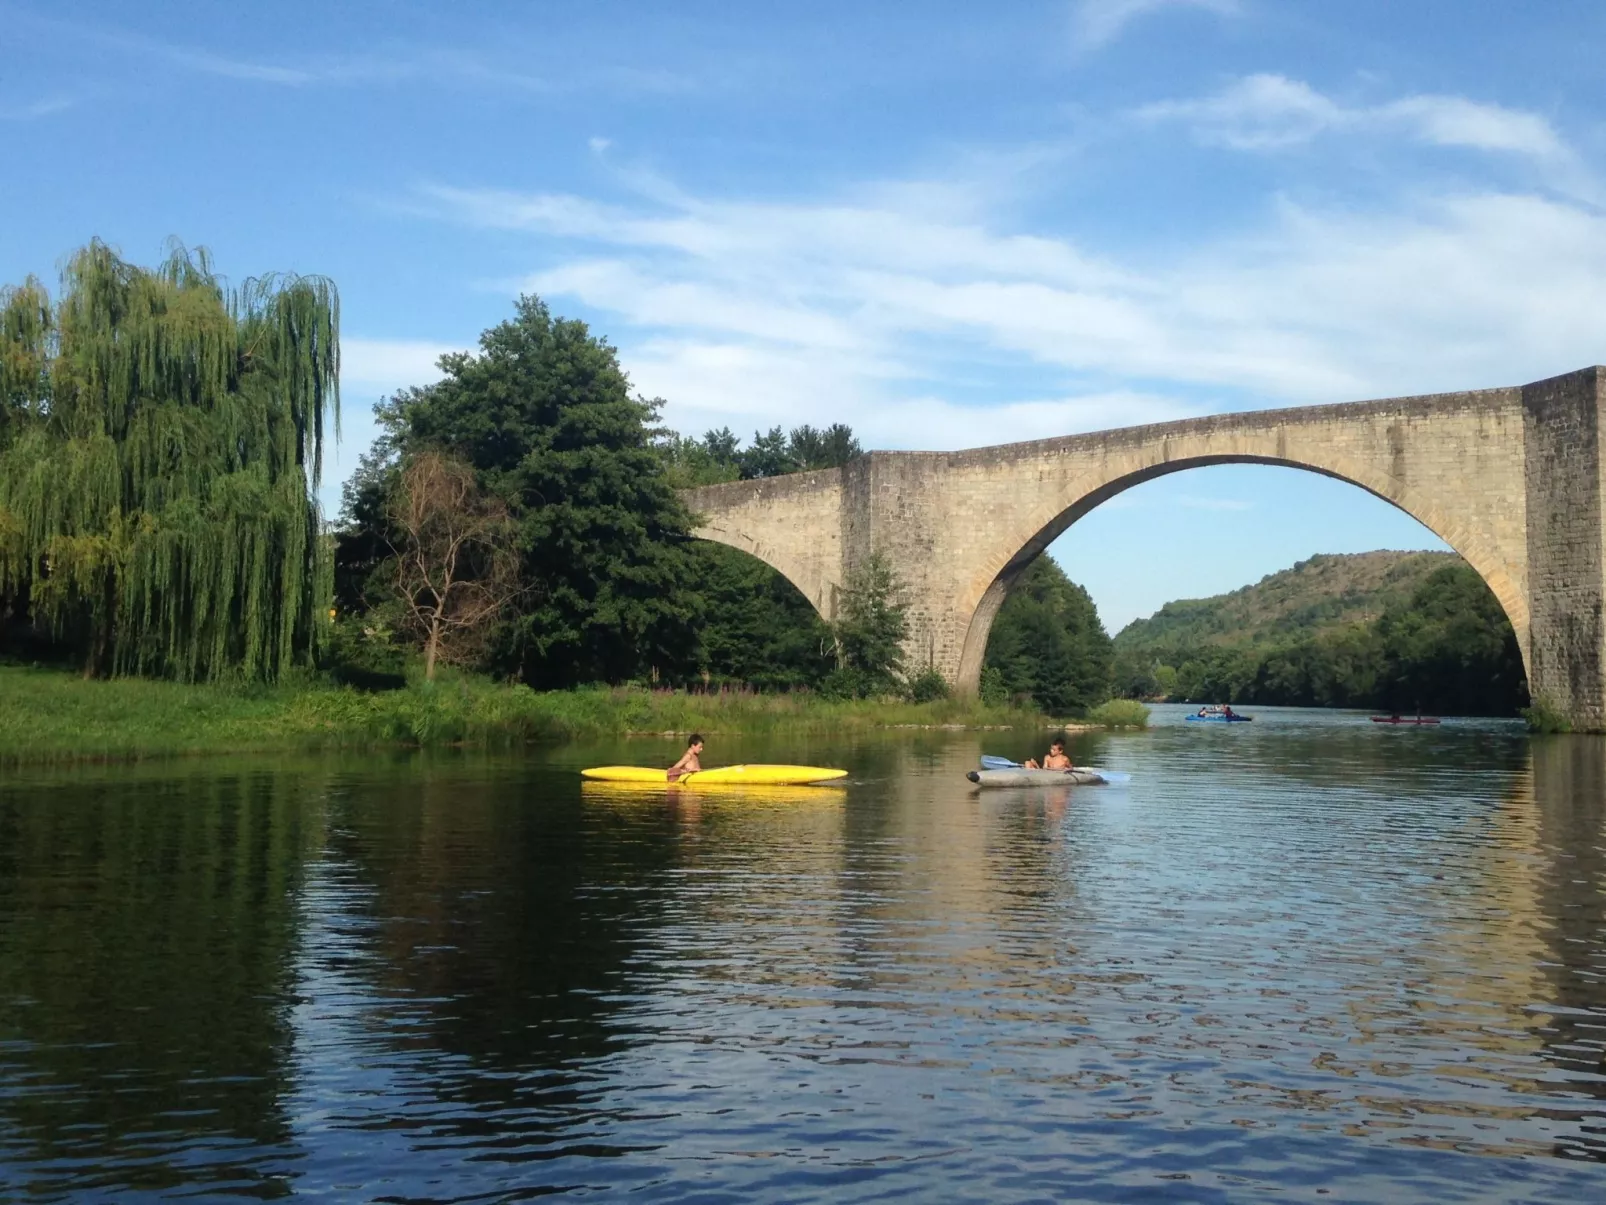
1055	760
688	763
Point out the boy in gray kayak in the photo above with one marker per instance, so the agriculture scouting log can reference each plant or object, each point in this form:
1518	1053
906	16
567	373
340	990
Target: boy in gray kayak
689	762
1055	759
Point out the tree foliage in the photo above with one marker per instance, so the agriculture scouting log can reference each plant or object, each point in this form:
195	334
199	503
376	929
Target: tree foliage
718	456
545	417
159	438
1452	649
1047	642
871	626
754	627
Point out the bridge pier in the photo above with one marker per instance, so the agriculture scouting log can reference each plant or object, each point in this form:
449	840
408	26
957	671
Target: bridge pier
1511	478
1566	527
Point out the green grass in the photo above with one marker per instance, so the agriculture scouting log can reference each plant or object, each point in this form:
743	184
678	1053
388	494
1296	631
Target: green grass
1119	713
1544	718
48	715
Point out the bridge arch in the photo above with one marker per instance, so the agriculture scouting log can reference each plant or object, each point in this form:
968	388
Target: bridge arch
1042	525
765	517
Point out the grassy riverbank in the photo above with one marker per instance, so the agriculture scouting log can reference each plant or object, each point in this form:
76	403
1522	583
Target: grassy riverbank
47	715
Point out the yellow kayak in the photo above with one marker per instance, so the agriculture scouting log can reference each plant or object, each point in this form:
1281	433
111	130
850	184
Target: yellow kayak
767	776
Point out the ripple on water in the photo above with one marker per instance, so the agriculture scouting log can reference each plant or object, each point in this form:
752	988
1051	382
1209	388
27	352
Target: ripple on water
1311	958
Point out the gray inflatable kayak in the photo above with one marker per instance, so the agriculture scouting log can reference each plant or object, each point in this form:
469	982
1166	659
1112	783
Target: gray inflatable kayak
1034	778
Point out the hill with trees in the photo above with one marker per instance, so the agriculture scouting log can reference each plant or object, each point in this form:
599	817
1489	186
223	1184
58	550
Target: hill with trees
1391	630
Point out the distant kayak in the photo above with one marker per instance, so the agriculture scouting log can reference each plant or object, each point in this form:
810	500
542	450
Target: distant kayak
753	776
1405	719
1035	778
1218	718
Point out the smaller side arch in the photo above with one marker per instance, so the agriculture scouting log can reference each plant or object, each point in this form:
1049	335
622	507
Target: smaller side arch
791	523
822	596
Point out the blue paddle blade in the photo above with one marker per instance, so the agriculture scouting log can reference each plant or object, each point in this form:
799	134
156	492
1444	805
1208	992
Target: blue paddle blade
989	762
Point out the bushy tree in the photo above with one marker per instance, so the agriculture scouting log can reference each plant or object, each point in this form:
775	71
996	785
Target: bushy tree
809	448
718	455
869	631
1451	649
544	415
1047	642
754	626
160	436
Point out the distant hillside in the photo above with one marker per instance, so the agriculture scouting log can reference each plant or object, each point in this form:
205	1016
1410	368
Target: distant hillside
1315	596
1396	630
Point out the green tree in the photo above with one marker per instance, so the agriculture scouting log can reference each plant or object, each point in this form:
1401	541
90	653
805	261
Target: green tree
870	630
809	448
769	456
1048	642
160	439
1451	649
544	415
718	456
691	462
756	628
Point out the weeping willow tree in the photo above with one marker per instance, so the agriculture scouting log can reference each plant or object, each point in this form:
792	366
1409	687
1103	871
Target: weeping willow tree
160	435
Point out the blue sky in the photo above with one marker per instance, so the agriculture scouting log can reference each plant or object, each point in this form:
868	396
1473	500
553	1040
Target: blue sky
945	224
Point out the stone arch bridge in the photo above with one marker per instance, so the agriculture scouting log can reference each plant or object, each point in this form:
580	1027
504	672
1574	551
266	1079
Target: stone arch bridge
1510	478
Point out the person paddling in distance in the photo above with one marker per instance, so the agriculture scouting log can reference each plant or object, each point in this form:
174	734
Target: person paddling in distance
689	762
1055	759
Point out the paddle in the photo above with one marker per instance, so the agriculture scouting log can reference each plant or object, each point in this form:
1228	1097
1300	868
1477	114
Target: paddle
1114	777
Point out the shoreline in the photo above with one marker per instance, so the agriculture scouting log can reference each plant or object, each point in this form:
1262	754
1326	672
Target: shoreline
55	716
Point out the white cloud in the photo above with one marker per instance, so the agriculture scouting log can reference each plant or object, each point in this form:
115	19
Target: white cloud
916	314
1270	112
1258	112
1098	22
1455	121
375	366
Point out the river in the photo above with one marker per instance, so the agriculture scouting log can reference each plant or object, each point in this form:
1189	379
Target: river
1310	958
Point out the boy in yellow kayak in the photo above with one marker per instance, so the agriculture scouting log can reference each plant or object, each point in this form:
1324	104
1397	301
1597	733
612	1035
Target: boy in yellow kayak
1055	760
689	762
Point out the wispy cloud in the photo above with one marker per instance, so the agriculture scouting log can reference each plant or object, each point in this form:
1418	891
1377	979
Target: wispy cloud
923	328
1096	23
45	106
1270	112
493	70
402	64
374	366
1258	112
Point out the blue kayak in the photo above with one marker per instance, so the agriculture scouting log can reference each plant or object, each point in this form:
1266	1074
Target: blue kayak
1219	719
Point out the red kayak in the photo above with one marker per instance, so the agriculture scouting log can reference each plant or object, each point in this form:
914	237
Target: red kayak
1396	719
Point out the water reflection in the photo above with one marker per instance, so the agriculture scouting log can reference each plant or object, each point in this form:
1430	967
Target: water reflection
147	933
1311	955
